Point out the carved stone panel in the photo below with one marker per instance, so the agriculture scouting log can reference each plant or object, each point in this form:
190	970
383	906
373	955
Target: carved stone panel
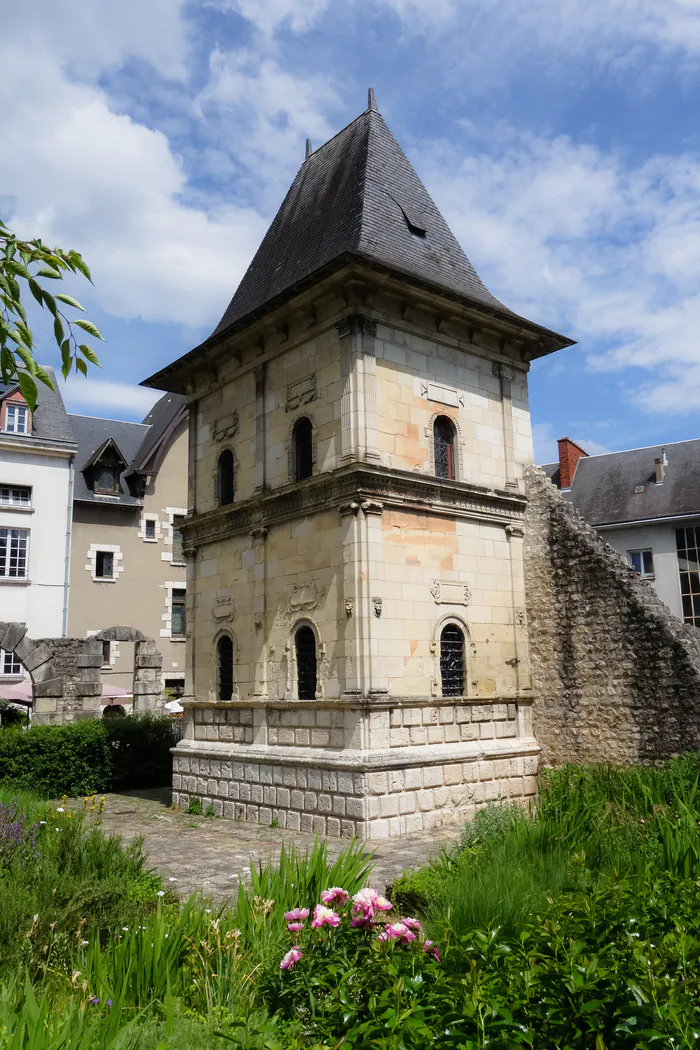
450	593
226	427
444	395
301	393
224	609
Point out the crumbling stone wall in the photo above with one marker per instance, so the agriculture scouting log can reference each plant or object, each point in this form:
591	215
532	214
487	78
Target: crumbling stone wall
616	677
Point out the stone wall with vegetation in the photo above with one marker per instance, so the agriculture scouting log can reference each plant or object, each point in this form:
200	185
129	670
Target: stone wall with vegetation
616	677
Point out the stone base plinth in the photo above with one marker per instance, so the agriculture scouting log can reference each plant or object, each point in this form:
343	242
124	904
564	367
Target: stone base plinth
372	792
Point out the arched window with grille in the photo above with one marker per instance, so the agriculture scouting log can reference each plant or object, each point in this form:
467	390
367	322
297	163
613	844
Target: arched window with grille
444	448
452	660
305	649
303	449
225	478
224	670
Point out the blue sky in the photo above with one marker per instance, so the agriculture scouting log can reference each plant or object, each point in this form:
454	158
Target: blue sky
559	138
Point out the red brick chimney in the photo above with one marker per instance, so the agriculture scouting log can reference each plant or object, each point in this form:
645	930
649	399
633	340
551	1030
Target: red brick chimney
569	455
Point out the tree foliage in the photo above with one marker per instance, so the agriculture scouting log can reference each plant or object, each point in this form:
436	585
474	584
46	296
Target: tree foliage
33	262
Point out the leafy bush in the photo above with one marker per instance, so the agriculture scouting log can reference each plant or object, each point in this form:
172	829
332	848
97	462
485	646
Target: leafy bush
88	756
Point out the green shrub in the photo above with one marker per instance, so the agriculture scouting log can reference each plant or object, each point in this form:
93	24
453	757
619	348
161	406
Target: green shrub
88	756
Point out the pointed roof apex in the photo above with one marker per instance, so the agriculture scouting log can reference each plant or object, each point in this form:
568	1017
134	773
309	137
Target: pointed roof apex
371	102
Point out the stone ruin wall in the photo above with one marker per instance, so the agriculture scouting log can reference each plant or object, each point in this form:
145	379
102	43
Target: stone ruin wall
616	676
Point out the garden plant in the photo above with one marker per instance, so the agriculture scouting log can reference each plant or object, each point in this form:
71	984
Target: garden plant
574	927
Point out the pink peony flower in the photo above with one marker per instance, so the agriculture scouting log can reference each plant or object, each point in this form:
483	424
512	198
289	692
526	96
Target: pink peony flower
412	924
296	914
397	931
365	904
335	893
324	917
432	949
295	927
293	956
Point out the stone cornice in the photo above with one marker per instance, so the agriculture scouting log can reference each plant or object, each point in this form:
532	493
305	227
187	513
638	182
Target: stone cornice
361	484
369	706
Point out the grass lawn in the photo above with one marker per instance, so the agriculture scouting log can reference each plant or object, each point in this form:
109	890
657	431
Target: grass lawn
576	928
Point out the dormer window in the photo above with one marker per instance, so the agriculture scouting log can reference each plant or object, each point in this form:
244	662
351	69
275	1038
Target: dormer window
16	418
104	469
106	480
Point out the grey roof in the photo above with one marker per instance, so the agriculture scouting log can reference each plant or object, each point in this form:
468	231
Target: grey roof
91	433
357	197
603	487
161	420
49	419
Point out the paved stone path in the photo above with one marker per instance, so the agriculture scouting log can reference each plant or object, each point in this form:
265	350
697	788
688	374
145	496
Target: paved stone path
212	855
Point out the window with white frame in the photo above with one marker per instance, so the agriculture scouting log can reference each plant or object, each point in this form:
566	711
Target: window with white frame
15	496
14	553
10	666
149	528
642	561
104	565
16	419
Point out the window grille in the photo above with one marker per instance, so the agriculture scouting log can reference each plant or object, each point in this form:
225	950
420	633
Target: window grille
443	436
150	528
178	549
224	652
302	438
305	644
15	496
107	481
688	546
225	478
177	609
9	664
452	660
14	548
106	653
104	565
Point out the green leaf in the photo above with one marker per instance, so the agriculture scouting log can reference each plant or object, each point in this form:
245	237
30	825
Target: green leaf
49	301
46	272
58	330
28	388
25	333
42	375
70	301
75	259
35	289
8	364
80	366
90	354
66	359
89	327
27	359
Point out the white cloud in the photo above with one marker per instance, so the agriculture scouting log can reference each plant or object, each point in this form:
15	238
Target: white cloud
268	15
102	397
569	236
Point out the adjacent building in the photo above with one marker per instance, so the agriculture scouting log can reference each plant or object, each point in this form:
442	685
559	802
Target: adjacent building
128	565
357	636
36	483
646	503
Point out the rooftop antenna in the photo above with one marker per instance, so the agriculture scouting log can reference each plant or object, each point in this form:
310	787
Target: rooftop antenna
309	149
371	101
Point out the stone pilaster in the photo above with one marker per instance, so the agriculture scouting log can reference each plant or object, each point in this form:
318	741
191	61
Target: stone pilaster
505	374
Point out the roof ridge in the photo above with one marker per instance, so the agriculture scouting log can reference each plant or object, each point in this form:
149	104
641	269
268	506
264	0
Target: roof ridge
106	419
640	448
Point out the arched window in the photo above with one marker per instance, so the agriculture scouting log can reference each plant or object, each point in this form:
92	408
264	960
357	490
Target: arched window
224	657
305	646
225	478
452	660
444	445
302	449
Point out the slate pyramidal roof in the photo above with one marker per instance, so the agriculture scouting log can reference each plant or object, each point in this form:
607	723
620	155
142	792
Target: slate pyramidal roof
356	197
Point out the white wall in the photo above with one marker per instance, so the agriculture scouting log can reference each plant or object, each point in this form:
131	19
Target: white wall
39	604
661	539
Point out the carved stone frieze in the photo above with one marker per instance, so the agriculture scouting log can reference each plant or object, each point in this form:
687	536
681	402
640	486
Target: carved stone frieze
226	426
301	393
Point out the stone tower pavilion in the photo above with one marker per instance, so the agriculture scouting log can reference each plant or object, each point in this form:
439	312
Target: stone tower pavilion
357	639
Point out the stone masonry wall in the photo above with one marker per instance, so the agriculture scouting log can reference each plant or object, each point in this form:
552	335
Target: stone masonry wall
616	676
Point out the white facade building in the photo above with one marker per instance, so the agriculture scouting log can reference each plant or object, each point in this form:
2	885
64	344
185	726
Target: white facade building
36	473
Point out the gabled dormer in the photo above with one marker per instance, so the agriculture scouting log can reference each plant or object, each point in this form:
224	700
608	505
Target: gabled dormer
15	414
104	468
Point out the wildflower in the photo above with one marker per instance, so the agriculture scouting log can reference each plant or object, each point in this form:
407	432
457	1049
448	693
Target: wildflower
109	1003
95	1000
335	894
364	906
42	821
57	829
293	956
84	944
160	893
295	927
412	924
125	928
430	948
324	917
60	809
296	914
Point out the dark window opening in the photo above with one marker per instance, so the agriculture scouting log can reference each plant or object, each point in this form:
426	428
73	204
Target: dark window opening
114	711
302	439
225	485
452	660
106	480
175	687
178	550
177	609
150	529
104	565
224	653
106	653
305	645
444	443
688	546
642	562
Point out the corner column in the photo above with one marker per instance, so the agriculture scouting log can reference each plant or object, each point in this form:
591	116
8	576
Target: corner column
516	534
505	374
359	398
